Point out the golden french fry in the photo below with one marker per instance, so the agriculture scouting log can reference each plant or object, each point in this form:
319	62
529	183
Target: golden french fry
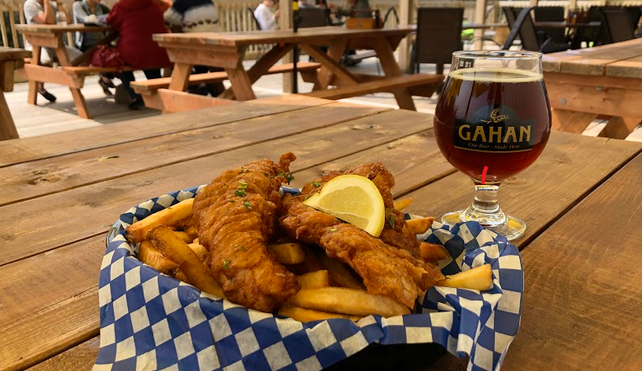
166	241
419	226
340	275
199	249
314	280
479	278
308	315
402	204
347	301
432	252
149	255
184	236
171	217
288	253
181	276
191	230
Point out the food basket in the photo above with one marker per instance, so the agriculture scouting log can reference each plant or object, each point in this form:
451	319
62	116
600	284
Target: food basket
150	321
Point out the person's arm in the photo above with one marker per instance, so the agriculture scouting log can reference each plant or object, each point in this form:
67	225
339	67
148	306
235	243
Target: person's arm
46	17
63	9
80	14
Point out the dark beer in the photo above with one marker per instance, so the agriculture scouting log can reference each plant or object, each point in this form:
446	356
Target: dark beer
492	117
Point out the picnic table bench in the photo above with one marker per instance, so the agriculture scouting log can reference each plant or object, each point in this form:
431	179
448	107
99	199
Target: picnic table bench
226	50
62	192
10	60
602	82
70	73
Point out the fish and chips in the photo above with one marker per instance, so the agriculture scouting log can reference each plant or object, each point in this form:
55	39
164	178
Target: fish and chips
241	240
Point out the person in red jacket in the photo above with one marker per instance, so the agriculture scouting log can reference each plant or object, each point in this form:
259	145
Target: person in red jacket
136	21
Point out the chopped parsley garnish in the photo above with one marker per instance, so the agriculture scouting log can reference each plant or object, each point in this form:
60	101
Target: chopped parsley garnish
332	230
232	201
391	219
289	177
242	170
247	204
266	174
316	184
243	248
226	263
240	193
242	184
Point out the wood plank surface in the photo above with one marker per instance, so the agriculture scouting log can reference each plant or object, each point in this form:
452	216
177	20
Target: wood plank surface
570	167
29	149
590	61
42	177
304	35
581	307
43	224
81	357
13	53
58	28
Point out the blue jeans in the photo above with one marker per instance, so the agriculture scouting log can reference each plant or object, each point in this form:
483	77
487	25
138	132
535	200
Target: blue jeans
128	76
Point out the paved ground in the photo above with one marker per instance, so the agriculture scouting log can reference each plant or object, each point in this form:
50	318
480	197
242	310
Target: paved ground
61	116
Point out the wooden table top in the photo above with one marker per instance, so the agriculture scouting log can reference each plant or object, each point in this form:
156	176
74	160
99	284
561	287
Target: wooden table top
58	28
582	201
623	59
278	36
553	24
13	53
474	26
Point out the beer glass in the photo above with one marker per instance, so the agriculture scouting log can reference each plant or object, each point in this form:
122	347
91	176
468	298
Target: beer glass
492	121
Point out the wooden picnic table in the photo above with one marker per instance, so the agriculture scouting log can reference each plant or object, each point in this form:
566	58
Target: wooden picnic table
226	50
51	36
604	81
61	193
10	60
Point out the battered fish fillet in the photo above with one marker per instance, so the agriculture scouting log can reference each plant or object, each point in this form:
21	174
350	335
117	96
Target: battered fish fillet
385	270
236	216
393	233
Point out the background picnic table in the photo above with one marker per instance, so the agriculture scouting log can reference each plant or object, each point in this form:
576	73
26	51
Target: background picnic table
61	193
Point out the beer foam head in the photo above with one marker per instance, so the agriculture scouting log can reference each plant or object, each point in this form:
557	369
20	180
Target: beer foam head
490	74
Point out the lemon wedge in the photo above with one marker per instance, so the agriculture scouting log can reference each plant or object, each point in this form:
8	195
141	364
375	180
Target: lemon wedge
354	199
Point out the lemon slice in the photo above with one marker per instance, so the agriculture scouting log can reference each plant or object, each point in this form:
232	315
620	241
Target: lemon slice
353	199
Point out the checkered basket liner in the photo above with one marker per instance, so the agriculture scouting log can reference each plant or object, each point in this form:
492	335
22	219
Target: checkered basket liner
149	321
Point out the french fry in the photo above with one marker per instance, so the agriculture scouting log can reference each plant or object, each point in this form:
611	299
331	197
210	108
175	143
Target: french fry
171	217
314	280
150	255
308	315
312	262
340	275
191	230
402	204
199	249
288	253
419	226
166	241
184	236
479	278
432	252
347	301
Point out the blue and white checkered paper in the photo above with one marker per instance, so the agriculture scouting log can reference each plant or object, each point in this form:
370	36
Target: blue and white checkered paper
149	321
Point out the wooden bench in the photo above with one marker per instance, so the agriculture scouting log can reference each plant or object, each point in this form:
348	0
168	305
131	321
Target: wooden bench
156	95
418	84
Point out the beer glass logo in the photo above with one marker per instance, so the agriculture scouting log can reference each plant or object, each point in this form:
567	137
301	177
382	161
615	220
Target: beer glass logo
494	129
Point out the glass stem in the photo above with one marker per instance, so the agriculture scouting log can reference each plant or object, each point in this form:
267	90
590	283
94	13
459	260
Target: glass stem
485	208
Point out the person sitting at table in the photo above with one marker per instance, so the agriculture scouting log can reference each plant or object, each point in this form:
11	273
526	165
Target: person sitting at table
196	16
360	7
92	11
303	4
136	21
264	16
46	12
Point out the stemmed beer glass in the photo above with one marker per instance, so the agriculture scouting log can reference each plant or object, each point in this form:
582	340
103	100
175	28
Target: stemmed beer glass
492	121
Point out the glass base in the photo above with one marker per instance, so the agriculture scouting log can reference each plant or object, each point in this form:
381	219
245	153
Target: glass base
512	229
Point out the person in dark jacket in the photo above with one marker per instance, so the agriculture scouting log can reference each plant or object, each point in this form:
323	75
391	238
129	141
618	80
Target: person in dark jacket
136	21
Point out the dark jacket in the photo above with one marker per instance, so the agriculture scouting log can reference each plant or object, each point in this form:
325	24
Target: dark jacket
136	21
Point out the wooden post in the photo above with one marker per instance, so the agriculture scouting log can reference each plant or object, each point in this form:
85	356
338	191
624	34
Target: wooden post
534	2
286	22
572	5
406	10
480	17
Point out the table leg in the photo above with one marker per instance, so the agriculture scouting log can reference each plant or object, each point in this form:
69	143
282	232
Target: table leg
335	53
79	99
571	121
180	77
391	69
332	66
32	97
241	83
7	127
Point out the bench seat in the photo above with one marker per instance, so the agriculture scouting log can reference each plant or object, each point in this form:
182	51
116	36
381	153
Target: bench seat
148	86
414	83
92	70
